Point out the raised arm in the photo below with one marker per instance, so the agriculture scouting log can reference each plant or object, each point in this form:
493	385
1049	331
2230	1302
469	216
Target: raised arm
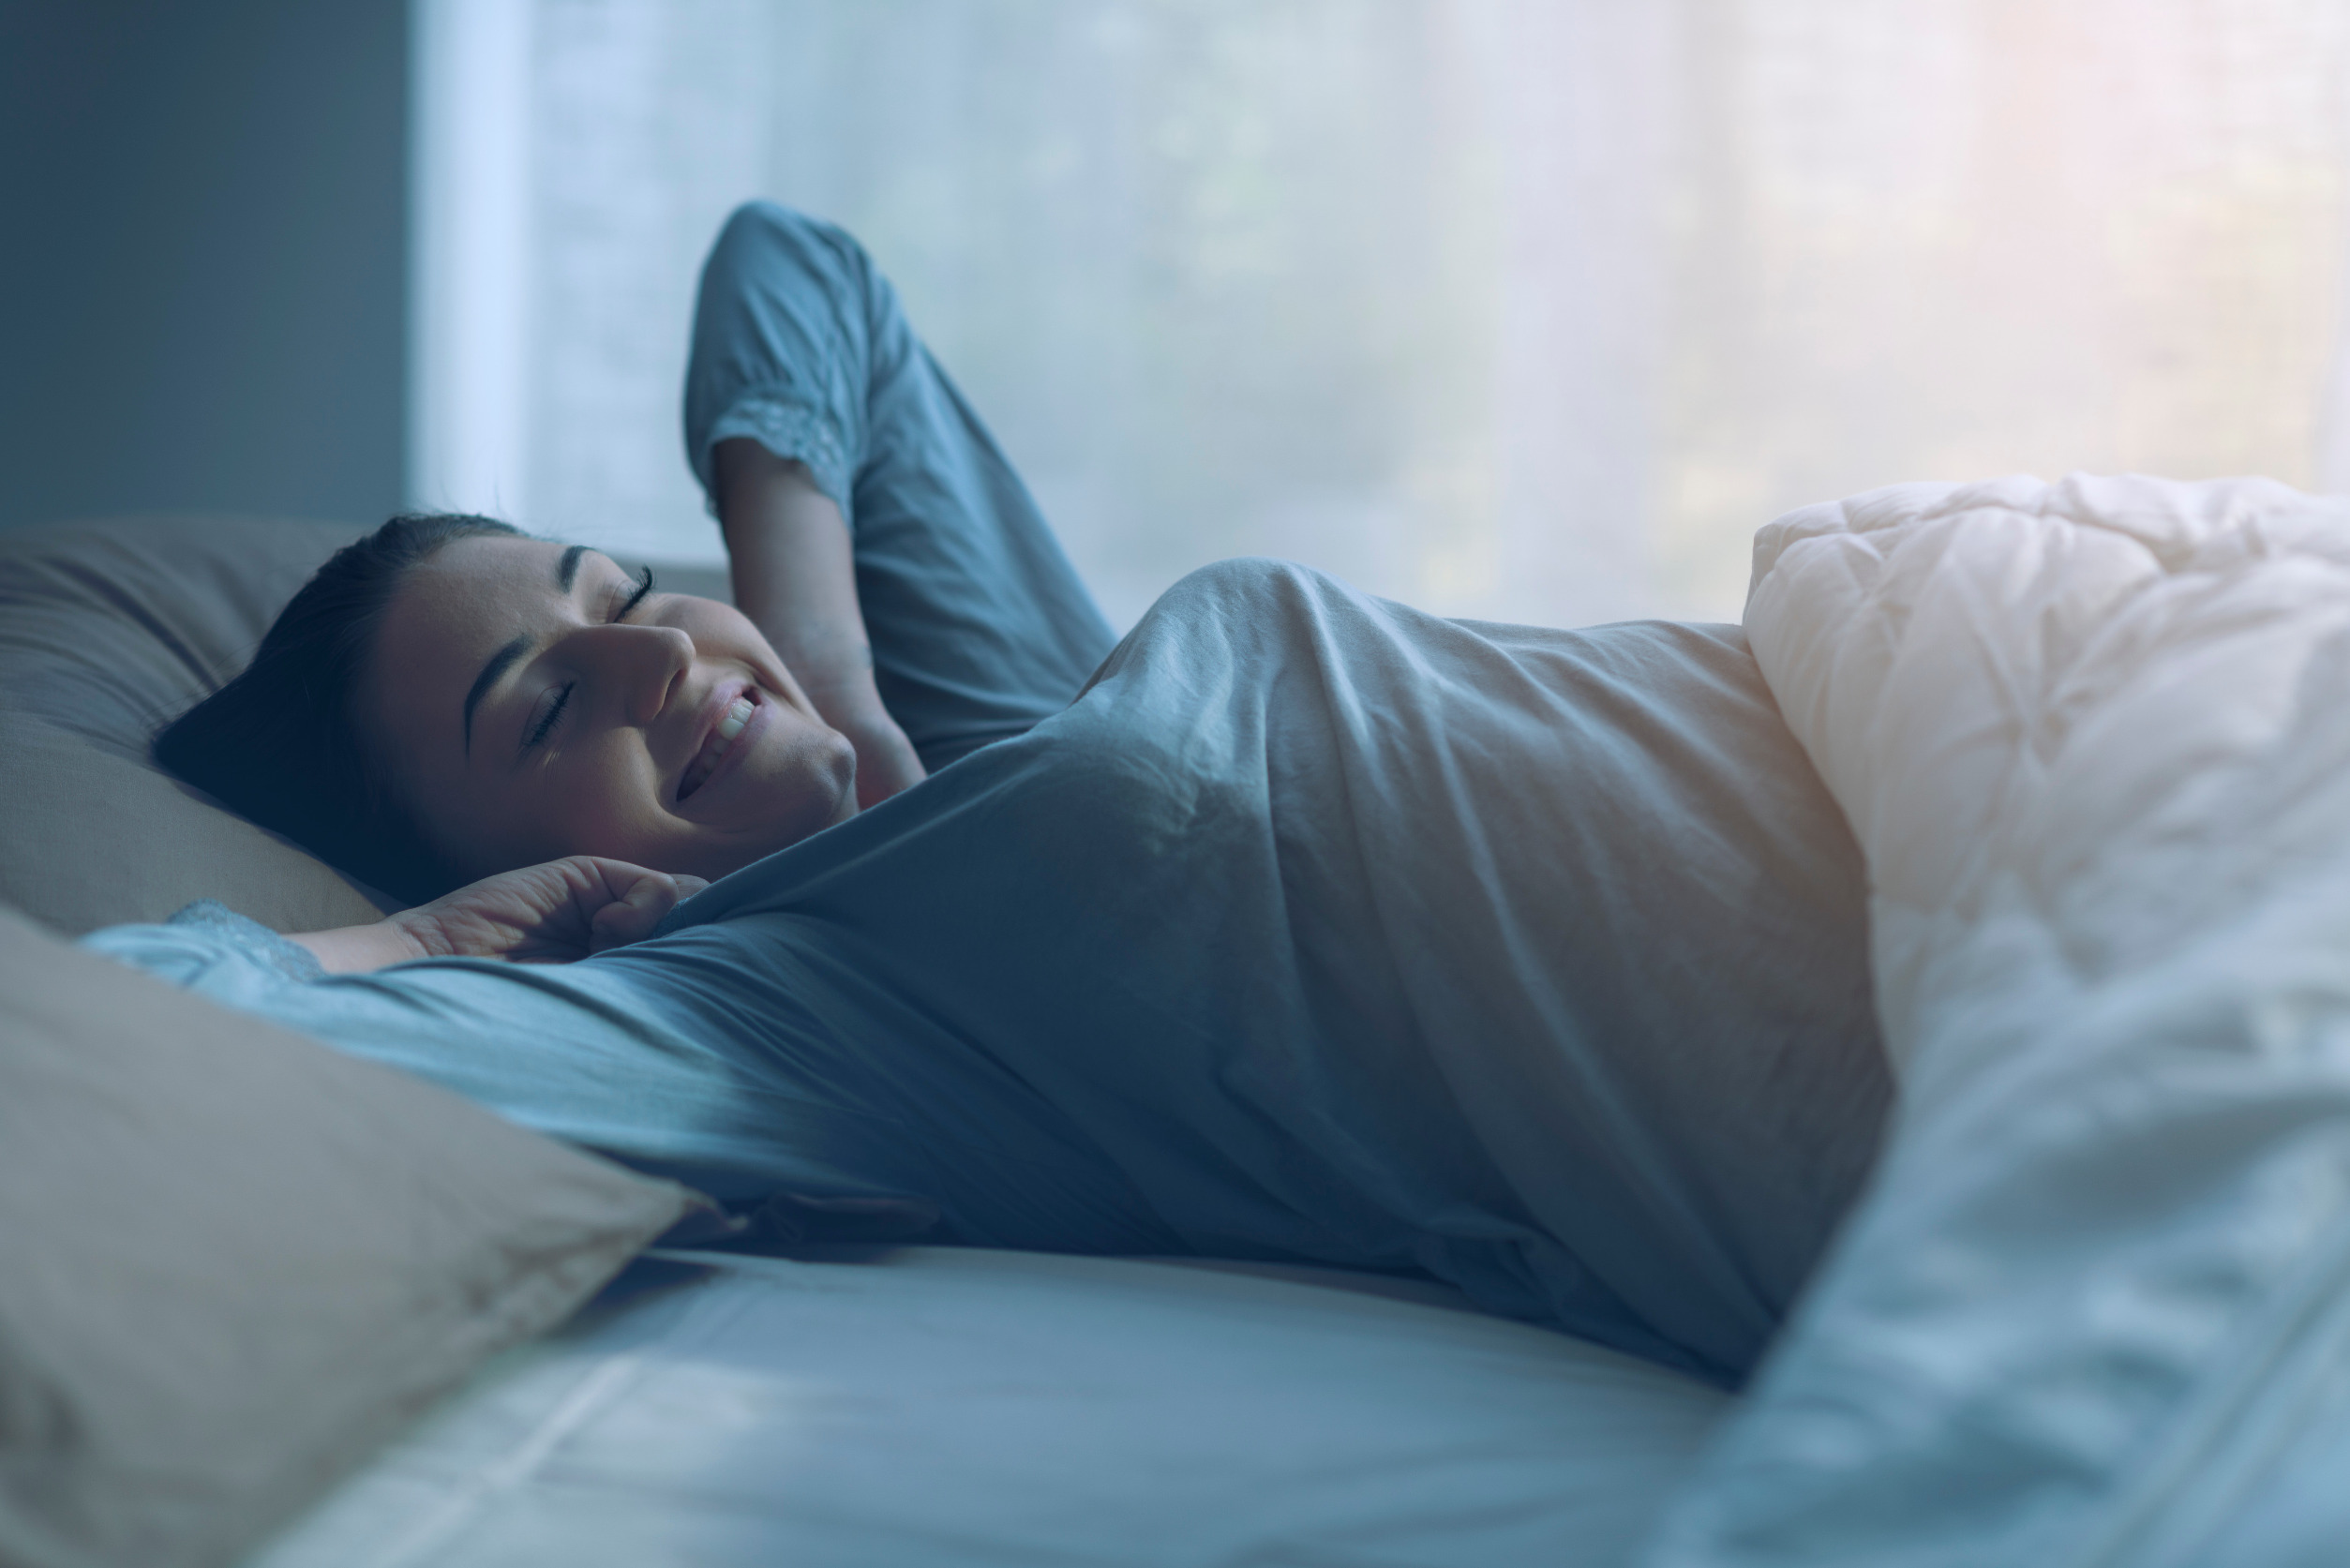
795	576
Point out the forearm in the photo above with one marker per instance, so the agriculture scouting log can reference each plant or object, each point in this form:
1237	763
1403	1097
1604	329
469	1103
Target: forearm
795	575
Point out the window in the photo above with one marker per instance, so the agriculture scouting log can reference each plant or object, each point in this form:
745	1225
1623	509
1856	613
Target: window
1529	309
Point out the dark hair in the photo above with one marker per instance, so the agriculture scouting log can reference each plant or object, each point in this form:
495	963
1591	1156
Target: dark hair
278	743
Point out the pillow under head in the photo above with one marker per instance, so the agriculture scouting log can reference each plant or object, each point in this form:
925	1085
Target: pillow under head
108	630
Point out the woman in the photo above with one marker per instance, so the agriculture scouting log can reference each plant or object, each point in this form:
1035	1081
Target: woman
1312	928
857	493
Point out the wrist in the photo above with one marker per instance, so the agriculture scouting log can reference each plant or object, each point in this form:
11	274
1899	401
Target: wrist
843	691
417	933
357	949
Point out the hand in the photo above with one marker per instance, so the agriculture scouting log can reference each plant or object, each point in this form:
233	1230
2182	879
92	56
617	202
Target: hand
545	913
886	762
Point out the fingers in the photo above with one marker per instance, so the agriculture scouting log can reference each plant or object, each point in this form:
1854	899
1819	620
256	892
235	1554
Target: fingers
555	912
646	897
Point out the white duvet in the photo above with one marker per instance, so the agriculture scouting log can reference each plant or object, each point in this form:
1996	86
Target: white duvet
2094	740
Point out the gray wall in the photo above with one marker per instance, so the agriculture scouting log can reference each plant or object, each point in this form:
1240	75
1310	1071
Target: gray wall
203	256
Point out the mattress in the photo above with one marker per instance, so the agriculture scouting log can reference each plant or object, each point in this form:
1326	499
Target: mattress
957	1406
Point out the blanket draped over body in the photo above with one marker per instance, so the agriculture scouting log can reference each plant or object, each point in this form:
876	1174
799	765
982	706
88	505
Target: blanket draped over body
2094	740
1316	928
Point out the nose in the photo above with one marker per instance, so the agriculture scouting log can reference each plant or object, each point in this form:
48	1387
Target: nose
642	666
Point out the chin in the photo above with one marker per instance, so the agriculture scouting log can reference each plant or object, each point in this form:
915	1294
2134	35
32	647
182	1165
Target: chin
828	795
847	806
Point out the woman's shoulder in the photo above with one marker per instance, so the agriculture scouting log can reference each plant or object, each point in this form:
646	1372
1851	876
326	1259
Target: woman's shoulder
1242	605
1247	579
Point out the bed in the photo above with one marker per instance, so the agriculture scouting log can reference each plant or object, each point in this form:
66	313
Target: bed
232	1368
2092	1311
952	1406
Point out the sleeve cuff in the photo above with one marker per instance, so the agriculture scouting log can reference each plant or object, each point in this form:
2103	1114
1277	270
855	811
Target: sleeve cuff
792	431
289	959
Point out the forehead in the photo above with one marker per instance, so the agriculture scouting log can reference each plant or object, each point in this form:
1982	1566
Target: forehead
451	612
477	578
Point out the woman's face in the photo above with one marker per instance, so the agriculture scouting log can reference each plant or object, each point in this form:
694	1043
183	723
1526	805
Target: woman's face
529	710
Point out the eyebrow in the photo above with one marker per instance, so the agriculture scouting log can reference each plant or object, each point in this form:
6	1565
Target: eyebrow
566	574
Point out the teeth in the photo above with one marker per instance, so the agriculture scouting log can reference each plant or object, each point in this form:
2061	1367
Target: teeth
723	736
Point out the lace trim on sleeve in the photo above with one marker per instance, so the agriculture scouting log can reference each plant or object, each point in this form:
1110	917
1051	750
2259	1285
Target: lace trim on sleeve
289	959
793	431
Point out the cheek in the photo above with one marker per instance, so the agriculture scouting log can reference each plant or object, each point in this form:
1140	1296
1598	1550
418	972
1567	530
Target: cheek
599	800
469	827
610	789
594	801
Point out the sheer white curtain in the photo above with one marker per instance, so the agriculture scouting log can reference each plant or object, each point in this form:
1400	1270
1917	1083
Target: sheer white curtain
1522	309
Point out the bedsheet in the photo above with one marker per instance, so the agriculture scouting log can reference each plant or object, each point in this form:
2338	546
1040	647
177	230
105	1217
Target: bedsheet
2094	740
959	1407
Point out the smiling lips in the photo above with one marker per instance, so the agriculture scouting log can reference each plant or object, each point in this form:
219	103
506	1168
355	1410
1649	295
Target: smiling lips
705	761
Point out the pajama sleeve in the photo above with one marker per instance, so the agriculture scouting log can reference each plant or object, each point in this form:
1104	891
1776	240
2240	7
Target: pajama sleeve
209	948
980	625
580	1052
784	347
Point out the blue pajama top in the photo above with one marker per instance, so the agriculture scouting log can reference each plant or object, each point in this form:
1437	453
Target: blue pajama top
1315	928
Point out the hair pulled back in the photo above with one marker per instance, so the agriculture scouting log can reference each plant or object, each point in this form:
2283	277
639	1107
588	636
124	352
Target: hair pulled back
281	744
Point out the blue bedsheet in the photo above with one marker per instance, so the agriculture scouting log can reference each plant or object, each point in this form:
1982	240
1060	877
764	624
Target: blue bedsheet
1316	928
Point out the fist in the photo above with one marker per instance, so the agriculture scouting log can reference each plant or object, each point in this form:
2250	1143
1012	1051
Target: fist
547	914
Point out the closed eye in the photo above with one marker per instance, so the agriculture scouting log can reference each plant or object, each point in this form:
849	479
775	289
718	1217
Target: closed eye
644	585
539	731
546	727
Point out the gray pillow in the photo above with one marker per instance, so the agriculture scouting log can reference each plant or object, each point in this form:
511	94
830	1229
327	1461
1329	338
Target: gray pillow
108	629
236	1261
